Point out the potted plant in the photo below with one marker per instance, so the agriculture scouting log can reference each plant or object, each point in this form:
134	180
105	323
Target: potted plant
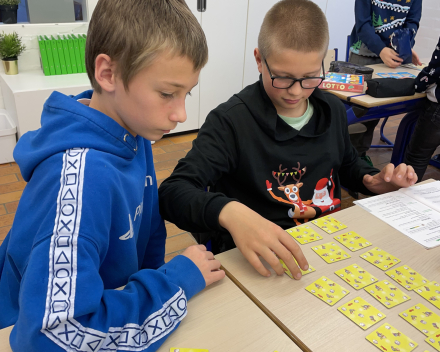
10	48
8	9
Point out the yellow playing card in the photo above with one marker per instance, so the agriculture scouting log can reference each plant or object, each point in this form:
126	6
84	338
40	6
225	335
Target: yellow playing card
287	271
361	312
327	290
304	234
331	252
355	276
380	258
387	338
434	341
352	241
329	224
176	349
422	319
387	294
430	292
407	277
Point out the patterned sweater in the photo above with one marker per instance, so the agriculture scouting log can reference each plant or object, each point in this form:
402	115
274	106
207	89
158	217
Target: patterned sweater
429	79
376	20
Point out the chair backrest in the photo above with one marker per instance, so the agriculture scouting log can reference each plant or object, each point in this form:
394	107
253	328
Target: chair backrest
332	55
347	52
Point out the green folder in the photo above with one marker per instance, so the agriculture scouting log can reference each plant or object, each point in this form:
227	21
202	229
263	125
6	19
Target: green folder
61	55
49	55
77	53
66	54
56	57
44	60
71	48
82	46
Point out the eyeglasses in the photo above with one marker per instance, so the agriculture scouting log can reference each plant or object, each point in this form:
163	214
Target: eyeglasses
287	82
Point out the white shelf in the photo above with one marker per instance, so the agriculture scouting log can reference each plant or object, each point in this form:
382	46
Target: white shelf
27	81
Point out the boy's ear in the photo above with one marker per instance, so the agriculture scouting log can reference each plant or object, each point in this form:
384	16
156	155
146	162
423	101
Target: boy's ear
105	72
258	59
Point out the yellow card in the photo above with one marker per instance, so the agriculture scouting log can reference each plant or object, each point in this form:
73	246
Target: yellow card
304	234
387	294
327	290
407	277
331	252
380	258
387	338
329	224
434	341
422	319
176	349
287	271
355	276
430	292
352	241
361	312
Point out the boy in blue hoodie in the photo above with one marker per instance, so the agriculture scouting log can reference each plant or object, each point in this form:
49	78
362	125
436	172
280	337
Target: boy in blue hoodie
88	220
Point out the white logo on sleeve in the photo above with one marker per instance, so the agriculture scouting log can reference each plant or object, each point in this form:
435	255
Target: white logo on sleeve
130	233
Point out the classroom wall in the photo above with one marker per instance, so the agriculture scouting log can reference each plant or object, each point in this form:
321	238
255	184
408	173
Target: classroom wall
429	30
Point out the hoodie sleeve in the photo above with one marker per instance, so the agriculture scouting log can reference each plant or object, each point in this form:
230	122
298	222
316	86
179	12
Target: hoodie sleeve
364	26
67	298
431	73
214	153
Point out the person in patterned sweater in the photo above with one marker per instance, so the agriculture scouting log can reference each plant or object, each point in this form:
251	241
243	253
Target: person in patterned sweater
375	21
426	137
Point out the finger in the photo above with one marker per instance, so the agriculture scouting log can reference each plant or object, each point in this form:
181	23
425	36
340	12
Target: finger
387	172
215	276
400	171
200	247
411	175
287	258
368	179
396	57
253	259
214	264
209	255
272	260
293	248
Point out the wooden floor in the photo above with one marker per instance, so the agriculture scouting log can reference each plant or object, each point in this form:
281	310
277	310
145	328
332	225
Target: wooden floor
166	153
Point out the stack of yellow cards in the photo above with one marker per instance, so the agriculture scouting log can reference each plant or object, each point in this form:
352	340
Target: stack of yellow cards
407	277
304	234
329	224
355	276
327	290
361	312
387	294
352	241
380	258
387	338
430	292
331	252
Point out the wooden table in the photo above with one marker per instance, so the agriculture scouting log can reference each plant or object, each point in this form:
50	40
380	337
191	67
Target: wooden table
320	326
220	318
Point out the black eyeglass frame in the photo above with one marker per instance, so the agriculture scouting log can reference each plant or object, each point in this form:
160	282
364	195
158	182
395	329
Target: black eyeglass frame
294	80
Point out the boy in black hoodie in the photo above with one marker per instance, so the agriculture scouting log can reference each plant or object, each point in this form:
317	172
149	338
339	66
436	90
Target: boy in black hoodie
275	154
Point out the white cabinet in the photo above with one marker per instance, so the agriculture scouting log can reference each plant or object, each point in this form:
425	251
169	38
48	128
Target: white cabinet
224	23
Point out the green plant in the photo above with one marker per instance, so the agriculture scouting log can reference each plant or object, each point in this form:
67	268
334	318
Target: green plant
10	2
10	45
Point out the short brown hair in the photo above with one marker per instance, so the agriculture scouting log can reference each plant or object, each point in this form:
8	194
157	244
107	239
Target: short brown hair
294	24
134	32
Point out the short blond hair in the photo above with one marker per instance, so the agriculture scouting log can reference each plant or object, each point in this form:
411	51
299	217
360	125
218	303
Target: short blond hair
134	32
294	24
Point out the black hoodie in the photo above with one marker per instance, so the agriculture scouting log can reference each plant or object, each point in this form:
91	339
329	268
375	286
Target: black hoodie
246	152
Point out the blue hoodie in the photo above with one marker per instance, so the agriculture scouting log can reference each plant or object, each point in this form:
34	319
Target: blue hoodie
88	223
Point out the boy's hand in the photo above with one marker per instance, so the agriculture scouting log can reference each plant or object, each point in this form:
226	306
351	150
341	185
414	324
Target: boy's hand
391	179
255	236
415	58
204	260
390	57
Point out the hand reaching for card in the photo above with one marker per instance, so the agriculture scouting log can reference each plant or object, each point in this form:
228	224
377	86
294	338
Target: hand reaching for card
391	179
255	236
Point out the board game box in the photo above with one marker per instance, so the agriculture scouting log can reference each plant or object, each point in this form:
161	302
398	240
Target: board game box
343	81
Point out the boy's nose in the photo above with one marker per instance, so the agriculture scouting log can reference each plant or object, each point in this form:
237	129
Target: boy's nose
296	89
179	114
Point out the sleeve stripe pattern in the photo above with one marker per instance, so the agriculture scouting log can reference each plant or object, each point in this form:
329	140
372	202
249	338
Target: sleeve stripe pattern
58	322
